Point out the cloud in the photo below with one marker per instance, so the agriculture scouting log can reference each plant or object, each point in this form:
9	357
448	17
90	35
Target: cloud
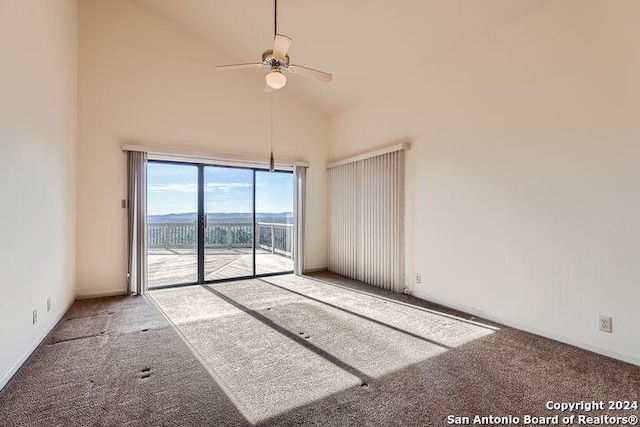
193	187
173	188
225	186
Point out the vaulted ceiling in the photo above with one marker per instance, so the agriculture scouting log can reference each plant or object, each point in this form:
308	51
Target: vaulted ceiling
366	44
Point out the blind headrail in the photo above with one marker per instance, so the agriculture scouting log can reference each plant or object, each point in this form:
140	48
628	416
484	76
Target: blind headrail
369	154
168	153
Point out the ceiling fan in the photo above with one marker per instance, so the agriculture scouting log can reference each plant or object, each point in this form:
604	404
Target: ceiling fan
277	60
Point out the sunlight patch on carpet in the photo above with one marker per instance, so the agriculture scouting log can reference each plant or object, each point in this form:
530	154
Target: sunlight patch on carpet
281	343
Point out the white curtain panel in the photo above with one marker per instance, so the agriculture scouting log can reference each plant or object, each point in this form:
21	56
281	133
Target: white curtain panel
366	220
299	195
137	207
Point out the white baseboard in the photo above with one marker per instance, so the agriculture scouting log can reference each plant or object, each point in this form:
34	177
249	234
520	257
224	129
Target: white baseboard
314	270
519	324
101	295
12	371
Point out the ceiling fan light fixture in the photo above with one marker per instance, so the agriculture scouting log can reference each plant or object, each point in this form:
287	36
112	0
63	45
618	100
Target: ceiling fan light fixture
277	59
275	79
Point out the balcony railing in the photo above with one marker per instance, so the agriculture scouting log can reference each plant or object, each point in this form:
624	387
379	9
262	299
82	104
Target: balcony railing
274	237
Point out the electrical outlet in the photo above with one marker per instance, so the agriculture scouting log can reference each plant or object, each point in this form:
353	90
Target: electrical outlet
604	324
418	278
49	304
35	316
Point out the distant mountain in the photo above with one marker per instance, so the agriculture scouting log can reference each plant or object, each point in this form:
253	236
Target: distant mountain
183	218
223	218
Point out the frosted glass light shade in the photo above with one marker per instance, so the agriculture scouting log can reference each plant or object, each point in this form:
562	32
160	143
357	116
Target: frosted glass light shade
275	79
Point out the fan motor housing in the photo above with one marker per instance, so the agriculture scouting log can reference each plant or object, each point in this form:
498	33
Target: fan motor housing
268	60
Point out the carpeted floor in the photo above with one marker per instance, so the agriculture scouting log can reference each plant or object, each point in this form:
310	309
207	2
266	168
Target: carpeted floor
290	350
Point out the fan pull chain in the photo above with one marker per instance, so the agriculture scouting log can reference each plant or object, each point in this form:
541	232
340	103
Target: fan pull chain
272	166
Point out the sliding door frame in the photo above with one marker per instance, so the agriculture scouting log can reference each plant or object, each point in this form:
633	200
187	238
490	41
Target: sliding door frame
201	222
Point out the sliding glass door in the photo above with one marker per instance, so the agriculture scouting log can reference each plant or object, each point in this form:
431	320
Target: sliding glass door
172	229
228	236
210	223
274	222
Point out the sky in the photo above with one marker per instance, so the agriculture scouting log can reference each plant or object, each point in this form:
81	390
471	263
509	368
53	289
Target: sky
173	188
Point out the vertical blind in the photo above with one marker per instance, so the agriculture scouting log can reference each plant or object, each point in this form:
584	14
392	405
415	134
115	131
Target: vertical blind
366	220
299	207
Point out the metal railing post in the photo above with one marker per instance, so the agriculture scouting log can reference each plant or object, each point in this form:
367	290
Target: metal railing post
273	239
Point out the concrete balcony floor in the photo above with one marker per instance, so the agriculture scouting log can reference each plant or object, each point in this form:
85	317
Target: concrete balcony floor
177	266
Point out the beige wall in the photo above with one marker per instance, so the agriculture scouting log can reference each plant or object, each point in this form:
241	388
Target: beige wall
522	183
142	78
37	171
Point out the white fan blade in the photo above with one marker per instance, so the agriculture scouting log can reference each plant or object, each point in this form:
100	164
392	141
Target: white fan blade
238	66
310	72
281	45
268	89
